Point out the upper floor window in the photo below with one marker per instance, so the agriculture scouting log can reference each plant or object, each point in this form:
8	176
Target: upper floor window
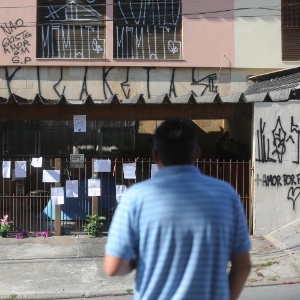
290	29
147	29
71	29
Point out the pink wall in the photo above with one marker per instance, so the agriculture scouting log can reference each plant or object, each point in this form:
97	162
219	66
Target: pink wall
208	35
205	37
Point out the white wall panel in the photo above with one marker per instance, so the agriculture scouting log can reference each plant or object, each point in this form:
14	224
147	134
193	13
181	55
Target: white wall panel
276	165
257	34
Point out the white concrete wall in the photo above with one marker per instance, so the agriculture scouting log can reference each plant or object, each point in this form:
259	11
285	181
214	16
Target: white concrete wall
276	165
257	35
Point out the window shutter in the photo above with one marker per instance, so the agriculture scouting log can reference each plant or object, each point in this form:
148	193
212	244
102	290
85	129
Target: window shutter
290	24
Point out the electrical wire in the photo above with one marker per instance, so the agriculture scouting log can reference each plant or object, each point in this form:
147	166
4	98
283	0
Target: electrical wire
192	17
129	2
223	14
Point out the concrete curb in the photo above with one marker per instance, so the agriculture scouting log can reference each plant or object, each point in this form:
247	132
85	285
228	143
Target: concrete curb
54	296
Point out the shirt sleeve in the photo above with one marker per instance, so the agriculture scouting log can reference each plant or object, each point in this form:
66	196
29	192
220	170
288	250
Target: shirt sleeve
121	236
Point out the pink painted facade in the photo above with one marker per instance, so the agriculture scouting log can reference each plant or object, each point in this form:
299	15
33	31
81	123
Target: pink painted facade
205	37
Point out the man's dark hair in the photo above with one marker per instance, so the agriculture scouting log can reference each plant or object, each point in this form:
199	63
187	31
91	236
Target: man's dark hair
175	142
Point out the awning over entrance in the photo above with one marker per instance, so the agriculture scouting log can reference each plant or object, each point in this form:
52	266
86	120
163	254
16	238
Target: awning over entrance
211	106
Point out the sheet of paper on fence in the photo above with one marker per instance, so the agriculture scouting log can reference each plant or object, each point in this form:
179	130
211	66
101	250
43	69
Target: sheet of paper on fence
120	190
20	169
6	169
129	170
72	188
94	187
51	175
57	195
36	162
80	123
102	165
154	169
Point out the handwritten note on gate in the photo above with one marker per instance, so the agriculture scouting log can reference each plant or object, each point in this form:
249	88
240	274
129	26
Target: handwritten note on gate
80	123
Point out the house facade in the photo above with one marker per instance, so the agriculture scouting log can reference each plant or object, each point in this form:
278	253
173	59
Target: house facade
100	49
125	66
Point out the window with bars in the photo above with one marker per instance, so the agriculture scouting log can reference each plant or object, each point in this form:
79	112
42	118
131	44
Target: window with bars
71	29
290	30
148	30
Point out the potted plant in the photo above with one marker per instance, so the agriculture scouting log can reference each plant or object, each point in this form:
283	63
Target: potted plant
94	225
4	226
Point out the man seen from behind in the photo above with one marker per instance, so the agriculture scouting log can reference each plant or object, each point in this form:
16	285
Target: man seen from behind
181	228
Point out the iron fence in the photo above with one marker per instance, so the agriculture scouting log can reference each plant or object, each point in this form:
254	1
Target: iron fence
28	203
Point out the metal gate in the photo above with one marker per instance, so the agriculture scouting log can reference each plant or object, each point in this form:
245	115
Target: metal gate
28	204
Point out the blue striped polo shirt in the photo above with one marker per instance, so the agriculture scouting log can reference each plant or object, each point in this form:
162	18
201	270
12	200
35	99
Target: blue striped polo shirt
183	226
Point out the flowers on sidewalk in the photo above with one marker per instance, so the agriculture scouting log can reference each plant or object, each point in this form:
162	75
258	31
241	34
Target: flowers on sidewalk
5	226
44	234
23	234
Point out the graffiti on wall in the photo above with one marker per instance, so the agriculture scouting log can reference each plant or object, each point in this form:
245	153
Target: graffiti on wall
274	150
208	82
205	84
272	147
72	30
77	30
16	42
148	29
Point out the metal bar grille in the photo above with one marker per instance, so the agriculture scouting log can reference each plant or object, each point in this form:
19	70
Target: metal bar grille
47	138
148	29
70	29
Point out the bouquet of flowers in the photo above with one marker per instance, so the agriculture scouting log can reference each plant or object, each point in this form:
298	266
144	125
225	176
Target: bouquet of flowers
4	224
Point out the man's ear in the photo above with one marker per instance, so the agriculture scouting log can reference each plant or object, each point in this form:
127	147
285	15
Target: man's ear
197	153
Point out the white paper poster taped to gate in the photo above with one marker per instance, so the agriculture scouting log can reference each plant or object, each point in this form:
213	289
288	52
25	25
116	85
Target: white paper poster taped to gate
102	165
51	176
36	162
20	169
94	187
120	190
6	169
57	195
72	188
129	170
80	123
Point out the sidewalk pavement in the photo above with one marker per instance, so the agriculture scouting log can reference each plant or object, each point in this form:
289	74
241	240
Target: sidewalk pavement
61	267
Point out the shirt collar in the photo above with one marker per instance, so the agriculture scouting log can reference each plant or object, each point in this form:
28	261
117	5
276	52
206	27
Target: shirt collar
176	169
